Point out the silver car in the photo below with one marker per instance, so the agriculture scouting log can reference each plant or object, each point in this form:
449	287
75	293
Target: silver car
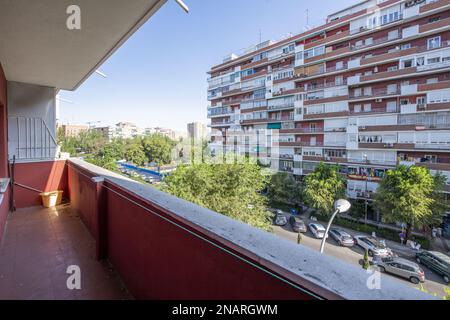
342	238
317	230
373	246
280	219
402	268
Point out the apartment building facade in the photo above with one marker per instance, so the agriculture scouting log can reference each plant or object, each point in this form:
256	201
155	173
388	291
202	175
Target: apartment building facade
369	89
72	130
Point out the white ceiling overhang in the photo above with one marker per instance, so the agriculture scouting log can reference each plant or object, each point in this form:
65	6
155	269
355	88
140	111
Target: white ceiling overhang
37	47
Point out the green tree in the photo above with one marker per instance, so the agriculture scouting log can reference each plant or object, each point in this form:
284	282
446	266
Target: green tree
114	150
90	142
411	195
283	188
135	153
323	187
158	148
232	189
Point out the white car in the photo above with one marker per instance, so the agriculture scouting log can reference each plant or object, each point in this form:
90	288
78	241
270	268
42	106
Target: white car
373	246
317	230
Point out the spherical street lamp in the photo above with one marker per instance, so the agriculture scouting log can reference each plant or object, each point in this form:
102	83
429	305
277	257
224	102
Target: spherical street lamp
340	206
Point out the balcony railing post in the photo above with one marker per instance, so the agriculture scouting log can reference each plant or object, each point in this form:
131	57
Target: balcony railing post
101	213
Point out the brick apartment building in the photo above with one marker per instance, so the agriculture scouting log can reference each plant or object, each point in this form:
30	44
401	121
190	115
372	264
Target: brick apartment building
369	89
72	130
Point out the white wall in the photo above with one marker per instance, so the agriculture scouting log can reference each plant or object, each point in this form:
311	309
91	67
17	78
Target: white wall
31	121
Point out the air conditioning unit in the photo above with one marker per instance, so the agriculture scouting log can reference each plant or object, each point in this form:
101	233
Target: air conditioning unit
327	158
389	145
379	100
362	128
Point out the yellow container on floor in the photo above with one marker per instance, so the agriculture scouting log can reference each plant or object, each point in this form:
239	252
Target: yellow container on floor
51	199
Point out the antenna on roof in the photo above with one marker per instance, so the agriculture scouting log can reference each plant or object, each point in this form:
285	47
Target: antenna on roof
260	36
307	26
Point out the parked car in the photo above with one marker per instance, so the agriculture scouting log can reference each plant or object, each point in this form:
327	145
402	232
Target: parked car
342	237
317	230
373	246
280	219
297	224
402	268
436	261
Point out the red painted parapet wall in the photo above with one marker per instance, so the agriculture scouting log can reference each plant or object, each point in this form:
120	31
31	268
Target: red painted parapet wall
82	197
159	260
44	176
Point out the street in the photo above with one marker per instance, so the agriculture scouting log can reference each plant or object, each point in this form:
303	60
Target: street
354	255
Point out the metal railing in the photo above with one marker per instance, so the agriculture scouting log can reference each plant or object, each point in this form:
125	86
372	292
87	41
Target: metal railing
31	138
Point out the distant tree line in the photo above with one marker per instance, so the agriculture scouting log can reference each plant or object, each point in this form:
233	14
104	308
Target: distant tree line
95	148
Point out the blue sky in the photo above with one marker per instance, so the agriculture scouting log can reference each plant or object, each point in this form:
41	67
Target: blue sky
158	77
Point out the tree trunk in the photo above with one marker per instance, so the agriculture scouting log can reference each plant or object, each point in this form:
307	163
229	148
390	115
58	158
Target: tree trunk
408	231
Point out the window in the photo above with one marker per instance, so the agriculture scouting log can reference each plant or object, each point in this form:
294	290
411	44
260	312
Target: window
421	100
367	91
433	60
393	68
420	61
434	42
357	108
367	107
314	52
392	88
391	106
357	92
405	46
407	63
434	19
393	34
432	80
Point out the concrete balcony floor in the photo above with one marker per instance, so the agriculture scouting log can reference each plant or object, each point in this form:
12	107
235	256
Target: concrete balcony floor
38	246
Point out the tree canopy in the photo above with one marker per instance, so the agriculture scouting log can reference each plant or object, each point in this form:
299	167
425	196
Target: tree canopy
97	149
232	189
411	195
135	154
158	148
283	188
322	187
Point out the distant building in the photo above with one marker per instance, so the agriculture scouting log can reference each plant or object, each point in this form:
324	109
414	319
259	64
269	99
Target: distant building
127	130
196	130
162	131
107	131
73	130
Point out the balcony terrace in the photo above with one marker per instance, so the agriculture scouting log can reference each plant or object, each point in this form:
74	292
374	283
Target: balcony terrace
39	245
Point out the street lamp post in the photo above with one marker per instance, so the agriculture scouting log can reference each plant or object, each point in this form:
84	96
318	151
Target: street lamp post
340	206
